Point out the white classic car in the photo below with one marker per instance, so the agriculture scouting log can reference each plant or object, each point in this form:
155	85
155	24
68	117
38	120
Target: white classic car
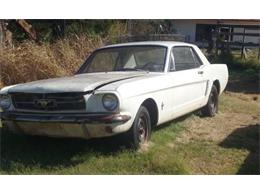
123	88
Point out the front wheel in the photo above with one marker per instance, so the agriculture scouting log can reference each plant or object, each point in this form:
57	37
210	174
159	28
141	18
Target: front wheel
140	131
211	107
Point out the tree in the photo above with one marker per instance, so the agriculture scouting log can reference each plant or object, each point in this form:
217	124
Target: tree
5	34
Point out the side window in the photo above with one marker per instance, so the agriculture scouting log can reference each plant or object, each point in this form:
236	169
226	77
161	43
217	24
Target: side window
184	58
196	58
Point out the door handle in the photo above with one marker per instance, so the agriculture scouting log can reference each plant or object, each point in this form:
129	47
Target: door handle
200	72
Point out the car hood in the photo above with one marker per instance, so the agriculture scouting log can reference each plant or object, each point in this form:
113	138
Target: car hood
77	83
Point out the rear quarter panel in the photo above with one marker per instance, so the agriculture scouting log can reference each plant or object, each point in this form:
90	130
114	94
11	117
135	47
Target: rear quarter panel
217	72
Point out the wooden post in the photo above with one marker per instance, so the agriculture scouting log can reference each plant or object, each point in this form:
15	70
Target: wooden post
259	52
217	40
243	44
229	33
258	57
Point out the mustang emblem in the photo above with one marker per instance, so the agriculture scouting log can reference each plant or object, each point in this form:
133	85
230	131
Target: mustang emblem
45	103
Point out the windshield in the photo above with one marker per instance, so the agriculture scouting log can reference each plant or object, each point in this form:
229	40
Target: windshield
127	58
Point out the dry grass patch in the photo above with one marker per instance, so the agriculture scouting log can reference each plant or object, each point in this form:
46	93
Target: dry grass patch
225	144
30	61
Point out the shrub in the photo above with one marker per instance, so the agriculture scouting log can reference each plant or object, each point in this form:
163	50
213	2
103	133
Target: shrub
30	61
235	62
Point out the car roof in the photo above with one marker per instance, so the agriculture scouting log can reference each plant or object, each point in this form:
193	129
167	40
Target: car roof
159	43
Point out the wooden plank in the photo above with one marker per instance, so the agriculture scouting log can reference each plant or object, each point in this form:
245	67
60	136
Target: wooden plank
233	45
231	22
255	27
241	34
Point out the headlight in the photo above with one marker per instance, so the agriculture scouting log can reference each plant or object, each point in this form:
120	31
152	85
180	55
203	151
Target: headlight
5	101
110	102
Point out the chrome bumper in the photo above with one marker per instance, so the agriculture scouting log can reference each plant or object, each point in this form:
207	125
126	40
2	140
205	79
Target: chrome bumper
82	125
102	118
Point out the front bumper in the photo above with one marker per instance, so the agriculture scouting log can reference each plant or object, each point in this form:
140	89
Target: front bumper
83	125
103	118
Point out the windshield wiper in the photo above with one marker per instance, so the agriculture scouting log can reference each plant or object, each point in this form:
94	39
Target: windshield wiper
132	69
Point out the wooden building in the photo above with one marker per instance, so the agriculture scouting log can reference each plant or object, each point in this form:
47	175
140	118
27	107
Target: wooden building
231	30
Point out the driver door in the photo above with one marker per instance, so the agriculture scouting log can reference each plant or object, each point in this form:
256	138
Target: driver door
188	82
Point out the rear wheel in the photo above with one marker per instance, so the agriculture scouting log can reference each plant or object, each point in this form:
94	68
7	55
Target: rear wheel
140	131
211	107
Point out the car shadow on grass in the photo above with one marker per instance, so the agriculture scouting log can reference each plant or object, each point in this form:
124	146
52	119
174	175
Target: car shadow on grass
19	152
246	138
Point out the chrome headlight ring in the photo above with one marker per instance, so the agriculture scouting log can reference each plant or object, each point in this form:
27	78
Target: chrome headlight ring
110	101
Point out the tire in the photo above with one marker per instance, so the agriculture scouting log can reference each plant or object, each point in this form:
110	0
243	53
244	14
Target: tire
140	131
211	107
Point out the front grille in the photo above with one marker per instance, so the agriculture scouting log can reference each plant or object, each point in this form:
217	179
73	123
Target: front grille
49	101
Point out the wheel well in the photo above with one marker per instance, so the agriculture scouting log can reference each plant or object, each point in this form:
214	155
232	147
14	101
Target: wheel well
217	85
152	108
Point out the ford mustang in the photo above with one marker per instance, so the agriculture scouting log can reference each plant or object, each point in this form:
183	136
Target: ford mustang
124	88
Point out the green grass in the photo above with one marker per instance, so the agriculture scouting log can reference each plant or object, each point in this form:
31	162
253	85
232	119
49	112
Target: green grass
28	155
208	158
